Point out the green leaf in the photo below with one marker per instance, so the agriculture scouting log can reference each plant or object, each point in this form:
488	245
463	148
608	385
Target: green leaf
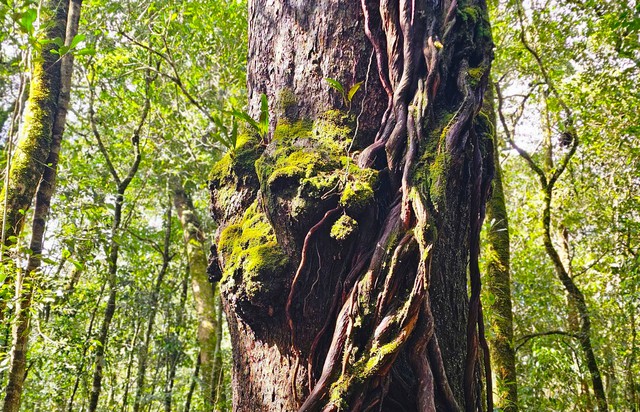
76	264
86	52
353	90
234	133
27	19
335	84
76	39
245	116
264	115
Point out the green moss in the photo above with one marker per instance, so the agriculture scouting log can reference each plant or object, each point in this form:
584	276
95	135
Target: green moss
335	125
307	160
303	163
228	238
357	195
287	131
430	171
470	13
238	161
286	103
475	74
34	144
437	172
267	259
250	247
344	227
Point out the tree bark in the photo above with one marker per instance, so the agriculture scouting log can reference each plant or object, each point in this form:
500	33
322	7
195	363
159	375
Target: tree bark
192	387
174	354
498	282
127	376
203	293
68	17
85	347
36	136
347	232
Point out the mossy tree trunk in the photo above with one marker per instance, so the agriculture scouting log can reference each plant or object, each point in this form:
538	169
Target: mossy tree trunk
346	235
66	16
203	293
498	283
34	144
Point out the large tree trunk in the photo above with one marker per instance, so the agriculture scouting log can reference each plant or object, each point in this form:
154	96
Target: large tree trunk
343	260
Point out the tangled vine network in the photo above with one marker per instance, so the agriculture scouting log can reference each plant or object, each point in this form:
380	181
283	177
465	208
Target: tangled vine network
427	53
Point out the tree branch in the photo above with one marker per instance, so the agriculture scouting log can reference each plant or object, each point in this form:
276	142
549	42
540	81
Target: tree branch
526	338
523	153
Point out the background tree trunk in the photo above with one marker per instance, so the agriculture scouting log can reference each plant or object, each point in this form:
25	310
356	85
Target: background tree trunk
34	144
344	242
153	310
203	293
67	17
114	247
498	282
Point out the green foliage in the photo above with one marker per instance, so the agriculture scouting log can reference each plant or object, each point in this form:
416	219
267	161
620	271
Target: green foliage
260	126
347	96
590	64
205	42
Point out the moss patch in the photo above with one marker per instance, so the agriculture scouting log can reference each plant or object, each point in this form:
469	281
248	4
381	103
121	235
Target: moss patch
475	74
286	104
238	161
307	163
250	248
344	227
434	162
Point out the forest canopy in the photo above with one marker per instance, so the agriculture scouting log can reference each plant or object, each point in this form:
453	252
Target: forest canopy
335	205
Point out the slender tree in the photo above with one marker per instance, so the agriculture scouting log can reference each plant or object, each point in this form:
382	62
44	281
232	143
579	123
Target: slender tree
548	177
69	16
153	310
348	230
203	293
114	247
498	282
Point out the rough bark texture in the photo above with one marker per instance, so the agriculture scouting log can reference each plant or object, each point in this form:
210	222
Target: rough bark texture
498	283
67	18
34	144
343	260
203	293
